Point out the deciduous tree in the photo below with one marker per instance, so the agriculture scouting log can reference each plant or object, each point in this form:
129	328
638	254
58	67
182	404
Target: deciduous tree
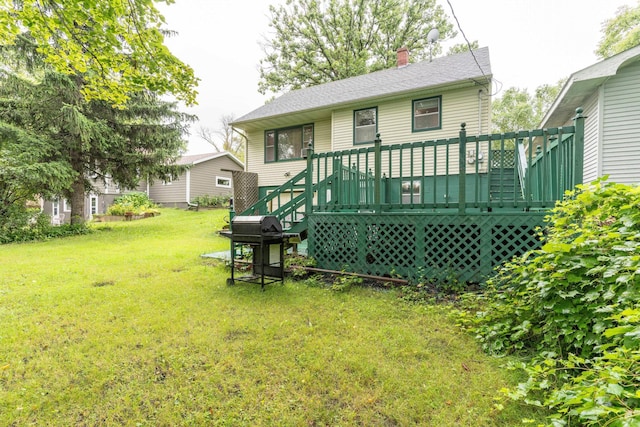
463	47
224	138
317	41
517	109
621	32
117	45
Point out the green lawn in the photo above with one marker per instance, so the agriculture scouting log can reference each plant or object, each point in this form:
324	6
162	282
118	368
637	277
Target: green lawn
130	326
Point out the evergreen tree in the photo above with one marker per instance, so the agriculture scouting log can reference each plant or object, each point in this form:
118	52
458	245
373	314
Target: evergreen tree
50	129
118	46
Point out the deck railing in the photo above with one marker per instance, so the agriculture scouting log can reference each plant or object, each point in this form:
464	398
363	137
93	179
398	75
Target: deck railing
479	173
516	171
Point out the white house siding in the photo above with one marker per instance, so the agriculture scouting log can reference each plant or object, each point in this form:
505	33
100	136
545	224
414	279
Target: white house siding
591	138
273	173
621	126
203	177
395	120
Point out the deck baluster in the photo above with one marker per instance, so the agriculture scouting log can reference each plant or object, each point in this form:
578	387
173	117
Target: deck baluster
462	168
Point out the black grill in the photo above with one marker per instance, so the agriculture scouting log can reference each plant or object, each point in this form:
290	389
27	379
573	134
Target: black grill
256	229
263	235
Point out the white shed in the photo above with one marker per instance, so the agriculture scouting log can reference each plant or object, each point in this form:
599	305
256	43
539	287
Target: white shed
609	93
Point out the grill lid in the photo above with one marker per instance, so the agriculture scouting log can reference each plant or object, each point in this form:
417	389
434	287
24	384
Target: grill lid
256	224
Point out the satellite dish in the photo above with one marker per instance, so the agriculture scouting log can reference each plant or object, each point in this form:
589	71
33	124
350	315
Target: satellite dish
433	35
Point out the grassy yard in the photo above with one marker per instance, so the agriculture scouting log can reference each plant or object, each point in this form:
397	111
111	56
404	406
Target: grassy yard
130	326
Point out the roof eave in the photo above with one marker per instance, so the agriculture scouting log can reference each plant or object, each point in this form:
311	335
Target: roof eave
470	81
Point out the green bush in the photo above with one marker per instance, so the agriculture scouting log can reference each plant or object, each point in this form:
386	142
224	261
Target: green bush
21	224
134	203
207	201
573	307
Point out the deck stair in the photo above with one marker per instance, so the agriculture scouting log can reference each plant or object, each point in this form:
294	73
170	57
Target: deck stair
503	187
290	213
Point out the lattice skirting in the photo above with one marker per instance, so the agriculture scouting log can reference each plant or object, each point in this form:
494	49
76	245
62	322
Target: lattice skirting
467	247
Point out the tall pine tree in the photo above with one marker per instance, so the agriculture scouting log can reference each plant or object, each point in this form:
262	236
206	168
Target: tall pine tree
45	114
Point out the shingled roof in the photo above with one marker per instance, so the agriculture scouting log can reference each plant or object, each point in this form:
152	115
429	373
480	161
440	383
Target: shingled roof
394	81
194	159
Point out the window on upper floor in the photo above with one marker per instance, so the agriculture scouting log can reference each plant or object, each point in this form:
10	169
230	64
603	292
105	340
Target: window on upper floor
427	114
287	144
365	125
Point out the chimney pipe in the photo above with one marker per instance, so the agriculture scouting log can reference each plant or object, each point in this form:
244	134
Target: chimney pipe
403	57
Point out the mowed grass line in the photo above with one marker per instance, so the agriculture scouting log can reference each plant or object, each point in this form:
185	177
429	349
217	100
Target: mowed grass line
130	326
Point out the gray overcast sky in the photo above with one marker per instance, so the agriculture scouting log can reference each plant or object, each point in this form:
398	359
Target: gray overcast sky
531	42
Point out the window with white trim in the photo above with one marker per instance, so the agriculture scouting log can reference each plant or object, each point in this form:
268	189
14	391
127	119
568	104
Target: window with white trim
223	181
94	204
365	125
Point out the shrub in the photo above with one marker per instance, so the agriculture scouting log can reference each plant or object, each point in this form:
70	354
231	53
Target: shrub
22	224
296	265
423	288
135	203
573	306
207	201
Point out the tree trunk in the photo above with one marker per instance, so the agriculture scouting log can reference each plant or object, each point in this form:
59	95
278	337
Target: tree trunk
77	201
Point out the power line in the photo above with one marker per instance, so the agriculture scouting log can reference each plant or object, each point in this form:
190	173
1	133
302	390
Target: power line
472	53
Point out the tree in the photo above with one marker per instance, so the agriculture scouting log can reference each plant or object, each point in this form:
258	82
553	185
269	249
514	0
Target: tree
516	109
317	41
621	32
44	115
27	168
224	138
118	46
463	47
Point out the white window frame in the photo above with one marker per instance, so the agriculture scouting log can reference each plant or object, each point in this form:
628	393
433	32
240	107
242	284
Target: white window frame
223	178
93	207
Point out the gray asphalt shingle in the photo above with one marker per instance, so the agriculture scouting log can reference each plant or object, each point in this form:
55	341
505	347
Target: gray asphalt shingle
421	75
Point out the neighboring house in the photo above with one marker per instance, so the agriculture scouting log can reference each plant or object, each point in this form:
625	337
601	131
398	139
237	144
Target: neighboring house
609	94
97	202
208	174
411	102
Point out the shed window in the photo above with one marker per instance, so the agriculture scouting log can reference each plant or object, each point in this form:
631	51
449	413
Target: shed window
365	125
427	114
222	181
287	144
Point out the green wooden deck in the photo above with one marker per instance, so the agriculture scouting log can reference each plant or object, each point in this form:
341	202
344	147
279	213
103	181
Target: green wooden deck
454	207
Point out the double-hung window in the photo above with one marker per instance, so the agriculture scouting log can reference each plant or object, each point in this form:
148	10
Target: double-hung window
287	144
365	125
427	114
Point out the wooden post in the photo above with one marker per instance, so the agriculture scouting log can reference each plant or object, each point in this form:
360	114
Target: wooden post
308	182
377	179
462	169
578	148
